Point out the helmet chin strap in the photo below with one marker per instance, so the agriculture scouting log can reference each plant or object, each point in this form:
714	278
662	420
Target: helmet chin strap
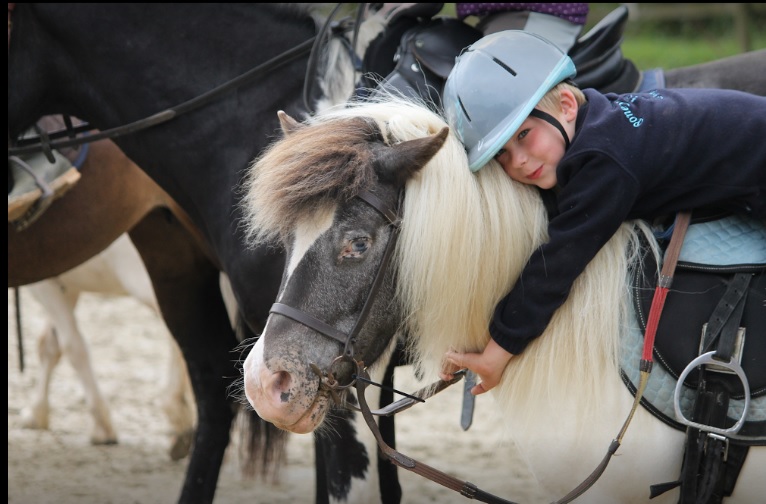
553	121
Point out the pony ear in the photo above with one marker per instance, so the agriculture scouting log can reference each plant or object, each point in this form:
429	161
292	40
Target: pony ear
399	162
289	125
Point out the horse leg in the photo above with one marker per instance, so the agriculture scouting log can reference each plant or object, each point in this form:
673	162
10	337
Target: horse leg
66	338
37	414
186	284
125	261
390	488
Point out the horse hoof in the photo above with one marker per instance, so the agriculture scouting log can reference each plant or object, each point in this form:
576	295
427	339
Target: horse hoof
33	418
103	438
181	445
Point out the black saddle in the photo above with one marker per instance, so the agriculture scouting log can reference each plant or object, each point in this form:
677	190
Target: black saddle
426	50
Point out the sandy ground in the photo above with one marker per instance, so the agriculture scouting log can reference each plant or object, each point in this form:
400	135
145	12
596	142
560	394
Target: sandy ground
129	350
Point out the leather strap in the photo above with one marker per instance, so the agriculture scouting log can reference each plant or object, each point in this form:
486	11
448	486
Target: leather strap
726	317
309	321
663	285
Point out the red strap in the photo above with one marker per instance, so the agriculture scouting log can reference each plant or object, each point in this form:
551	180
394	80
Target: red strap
663	285
654	319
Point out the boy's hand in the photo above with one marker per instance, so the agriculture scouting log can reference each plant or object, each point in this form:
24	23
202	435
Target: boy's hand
488	365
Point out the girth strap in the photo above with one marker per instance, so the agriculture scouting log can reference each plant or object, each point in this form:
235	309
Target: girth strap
711	465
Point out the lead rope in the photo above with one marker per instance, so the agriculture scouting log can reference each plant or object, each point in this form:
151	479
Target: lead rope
471	491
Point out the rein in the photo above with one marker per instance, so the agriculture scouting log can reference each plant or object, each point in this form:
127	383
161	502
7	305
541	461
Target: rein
167	114
41	144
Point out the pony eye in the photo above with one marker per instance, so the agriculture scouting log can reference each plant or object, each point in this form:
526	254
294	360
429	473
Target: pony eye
360	244
355	248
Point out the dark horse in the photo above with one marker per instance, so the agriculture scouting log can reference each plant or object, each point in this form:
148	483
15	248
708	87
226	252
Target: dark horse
112	65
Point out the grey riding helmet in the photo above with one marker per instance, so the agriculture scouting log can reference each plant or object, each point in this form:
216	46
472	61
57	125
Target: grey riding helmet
495	84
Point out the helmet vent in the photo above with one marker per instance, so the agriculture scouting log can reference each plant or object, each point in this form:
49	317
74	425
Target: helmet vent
507	68
462	107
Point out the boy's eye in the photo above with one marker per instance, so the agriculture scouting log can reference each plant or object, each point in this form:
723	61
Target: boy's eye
499	153
522	134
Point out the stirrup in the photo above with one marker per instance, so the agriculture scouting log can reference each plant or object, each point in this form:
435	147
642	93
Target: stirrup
32	194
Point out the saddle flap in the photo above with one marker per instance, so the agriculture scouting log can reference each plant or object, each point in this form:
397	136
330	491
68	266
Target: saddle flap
700	281
426	57
688	307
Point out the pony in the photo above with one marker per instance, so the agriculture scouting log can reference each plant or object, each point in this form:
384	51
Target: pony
390	235
197	159
181	206
117	271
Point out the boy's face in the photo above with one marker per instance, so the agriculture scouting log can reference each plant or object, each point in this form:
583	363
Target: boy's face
533	153
535	149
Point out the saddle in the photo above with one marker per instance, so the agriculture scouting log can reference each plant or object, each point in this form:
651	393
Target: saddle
716	308
427	48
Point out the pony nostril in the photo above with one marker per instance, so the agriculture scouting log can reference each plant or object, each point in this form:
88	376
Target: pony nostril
280	385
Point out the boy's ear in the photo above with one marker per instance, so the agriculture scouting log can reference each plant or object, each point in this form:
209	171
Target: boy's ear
568	104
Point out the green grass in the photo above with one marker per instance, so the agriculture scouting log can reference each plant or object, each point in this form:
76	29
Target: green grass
682	41
651	51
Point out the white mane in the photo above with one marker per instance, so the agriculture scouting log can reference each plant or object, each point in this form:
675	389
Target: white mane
465	239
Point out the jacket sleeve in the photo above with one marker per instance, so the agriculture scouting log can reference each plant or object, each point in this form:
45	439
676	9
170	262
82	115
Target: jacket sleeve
592	206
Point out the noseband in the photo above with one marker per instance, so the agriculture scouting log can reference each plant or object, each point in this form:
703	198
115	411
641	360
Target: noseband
392	214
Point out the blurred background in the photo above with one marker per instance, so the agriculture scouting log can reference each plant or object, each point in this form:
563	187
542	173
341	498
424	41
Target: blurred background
671	35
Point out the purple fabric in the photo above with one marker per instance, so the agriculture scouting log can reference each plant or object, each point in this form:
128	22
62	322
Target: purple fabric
573	12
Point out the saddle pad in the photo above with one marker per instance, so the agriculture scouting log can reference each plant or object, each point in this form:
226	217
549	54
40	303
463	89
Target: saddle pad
734	241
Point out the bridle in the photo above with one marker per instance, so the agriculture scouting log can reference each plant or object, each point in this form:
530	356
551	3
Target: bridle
327	378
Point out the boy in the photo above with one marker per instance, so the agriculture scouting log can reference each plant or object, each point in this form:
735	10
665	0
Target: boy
607	158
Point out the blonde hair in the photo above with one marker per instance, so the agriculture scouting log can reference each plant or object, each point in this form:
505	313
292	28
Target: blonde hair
550	102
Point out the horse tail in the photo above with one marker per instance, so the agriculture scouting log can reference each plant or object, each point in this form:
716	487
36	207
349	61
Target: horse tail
262	446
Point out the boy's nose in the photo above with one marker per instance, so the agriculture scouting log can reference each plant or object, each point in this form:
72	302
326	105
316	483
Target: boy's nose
518	159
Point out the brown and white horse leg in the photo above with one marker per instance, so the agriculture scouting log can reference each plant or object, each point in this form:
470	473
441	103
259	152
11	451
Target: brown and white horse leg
63	337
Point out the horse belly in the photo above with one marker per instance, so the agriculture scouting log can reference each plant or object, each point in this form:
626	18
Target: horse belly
650	453
751	484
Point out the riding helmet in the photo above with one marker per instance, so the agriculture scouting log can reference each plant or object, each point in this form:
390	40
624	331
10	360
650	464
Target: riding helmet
495	84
